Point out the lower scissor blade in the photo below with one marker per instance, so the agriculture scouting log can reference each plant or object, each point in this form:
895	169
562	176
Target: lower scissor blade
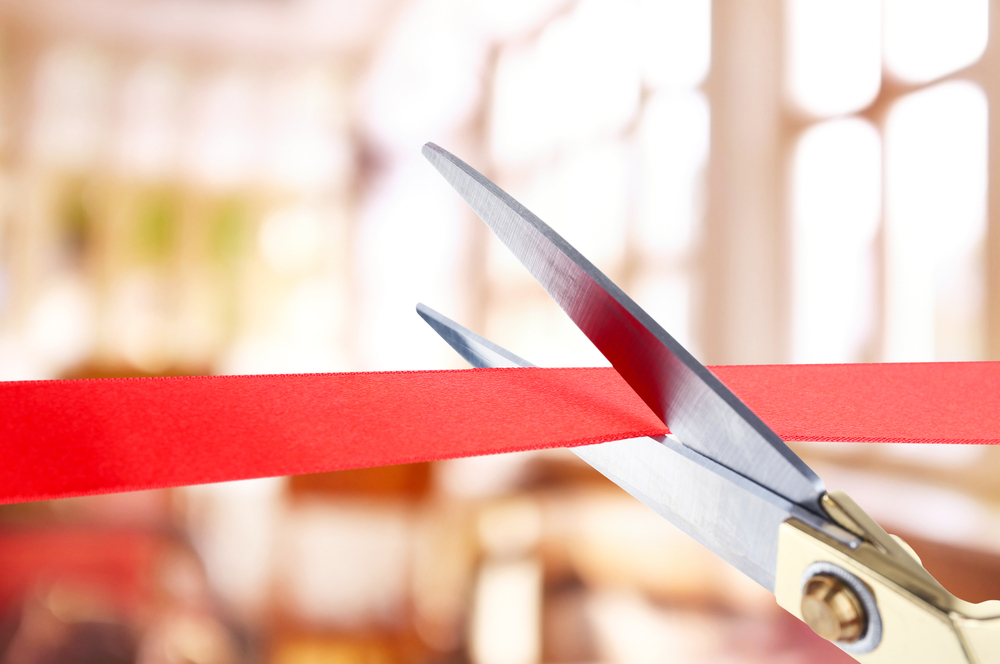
729	514
476	350
735	518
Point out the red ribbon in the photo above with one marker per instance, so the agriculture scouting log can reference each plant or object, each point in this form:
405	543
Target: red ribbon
69	438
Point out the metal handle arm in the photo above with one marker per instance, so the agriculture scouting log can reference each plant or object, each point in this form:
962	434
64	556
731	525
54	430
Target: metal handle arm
909	616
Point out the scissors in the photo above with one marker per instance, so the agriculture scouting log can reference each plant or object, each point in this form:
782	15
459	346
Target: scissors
722	476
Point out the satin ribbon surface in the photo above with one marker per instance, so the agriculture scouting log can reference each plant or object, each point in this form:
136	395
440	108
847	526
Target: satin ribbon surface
78	437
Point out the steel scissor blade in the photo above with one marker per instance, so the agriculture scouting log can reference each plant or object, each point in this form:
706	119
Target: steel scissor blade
476	350
734	517
702	412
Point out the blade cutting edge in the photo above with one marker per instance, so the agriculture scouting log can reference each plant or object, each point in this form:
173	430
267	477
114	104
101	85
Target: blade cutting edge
702	412
476	350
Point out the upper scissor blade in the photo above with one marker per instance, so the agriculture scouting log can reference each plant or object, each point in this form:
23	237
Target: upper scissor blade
702	412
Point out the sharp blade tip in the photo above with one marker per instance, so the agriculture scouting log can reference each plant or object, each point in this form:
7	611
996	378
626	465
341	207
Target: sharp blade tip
424	311
430	149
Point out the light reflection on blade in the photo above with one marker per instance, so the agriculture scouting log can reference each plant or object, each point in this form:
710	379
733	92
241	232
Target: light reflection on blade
476	350
698	408
729	514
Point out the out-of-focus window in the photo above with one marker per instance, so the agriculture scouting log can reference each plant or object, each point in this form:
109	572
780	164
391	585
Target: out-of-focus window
928	39
833	58
888	264
836	206
936	224
600	127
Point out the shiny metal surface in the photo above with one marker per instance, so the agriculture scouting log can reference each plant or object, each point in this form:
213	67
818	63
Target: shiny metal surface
477	351
729	514
698	408
873	628
734	517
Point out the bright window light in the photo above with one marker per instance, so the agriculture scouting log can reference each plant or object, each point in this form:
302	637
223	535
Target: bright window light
836	204
585	196
935	212
675	38
927	39
73	90
223	149
667	298
408	248
513	19
150	119
303	147
506	615
834	54
61	324
673	144
426	79
580	79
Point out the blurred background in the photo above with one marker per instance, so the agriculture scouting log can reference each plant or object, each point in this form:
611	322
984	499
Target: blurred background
236	186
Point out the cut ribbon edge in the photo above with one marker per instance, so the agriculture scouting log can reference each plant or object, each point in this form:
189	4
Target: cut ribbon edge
83	437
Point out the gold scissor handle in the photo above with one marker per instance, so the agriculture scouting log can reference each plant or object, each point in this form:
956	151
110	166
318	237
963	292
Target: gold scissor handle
877	598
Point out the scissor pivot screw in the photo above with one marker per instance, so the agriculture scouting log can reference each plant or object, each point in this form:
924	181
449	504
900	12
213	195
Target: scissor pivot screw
832	609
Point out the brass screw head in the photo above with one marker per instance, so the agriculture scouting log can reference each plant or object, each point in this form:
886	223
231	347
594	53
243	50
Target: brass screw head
832	610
